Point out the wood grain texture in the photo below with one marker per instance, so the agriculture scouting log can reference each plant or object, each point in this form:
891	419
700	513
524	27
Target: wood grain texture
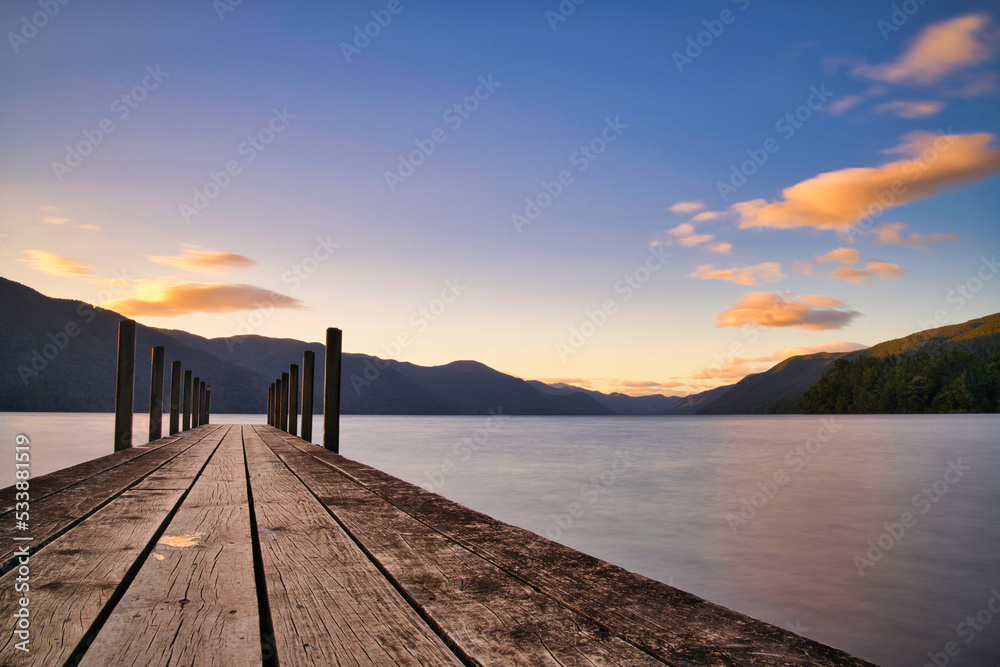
57	511
198	605
494	618
676	626
74	576
329	604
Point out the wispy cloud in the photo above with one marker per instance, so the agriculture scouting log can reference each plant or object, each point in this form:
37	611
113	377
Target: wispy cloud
889	233
54	265
839	255
691	241
765	309
868	272
209	262
687	206
769	272
839	106
837	199
910	109
938	51
683	229
163	299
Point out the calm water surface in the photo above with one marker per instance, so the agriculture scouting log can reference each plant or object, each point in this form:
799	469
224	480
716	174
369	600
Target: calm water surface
875	534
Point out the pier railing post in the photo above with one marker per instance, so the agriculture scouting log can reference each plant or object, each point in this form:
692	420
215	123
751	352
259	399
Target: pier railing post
293	399
331	390
195	401
175	397
187	401
283	410
308	362
208	404
156	393
125	385
203	403
270	403
275	422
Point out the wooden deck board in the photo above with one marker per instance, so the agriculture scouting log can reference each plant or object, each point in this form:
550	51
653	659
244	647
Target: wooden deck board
495	618
155	555
198	605
54	513
74	576
329	603
663	620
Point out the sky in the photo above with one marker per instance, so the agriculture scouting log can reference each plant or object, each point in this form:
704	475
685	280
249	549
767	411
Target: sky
642	197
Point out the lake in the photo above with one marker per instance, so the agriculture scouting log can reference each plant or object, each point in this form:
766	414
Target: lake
877	534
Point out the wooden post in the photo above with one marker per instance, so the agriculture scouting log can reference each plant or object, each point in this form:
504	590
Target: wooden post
203	404
293	399
331	391
156	393
125	386
283	410
175	397
274	404
208	403
186	424
270	402
195	401
308	362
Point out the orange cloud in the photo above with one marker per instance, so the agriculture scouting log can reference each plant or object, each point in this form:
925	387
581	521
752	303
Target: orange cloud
54	265
687	207
769	272
706	215
839	255
764	309
159	299
889	234
837	199
691	241
802	268
846	102
682	229
868	272
905	109
939	50
203	261
721	248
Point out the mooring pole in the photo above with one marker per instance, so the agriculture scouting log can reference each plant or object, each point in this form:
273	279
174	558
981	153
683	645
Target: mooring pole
195	401
270	403
125	385
175	396
203	404
186	420
308	362
331	390
293	399
156	393
283	411
208	403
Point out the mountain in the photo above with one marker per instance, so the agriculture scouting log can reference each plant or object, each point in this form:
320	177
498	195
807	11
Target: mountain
617	403
780	388
60	355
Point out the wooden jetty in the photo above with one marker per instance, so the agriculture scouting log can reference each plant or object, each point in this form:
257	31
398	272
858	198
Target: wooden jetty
244	545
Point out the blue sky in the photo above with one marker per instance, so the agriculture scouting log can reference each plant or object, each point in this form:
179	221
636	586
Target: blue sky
621	282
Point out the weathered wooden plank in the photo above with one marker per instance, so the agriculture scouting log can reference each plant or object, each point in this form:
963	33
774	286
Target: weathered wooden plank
329	604
73	578
493	617
665	621
56	512
198	605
